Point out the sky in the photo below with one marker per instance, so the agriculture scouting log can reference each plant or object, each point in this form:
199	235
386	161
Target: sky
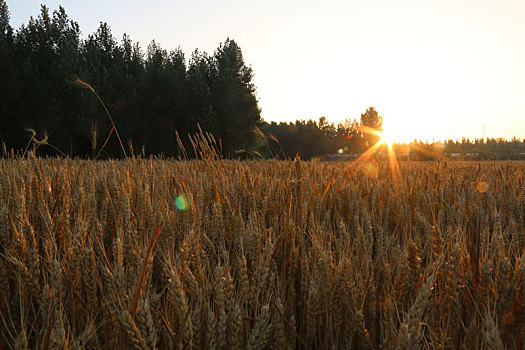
434	69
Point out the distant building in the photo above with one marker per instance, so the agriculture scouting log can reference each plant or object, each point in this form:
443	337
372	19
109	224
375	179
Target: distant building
458	154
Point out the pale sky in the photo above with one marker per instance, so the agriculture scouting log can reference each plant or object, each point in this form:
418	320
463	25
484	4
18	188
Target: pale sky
434	69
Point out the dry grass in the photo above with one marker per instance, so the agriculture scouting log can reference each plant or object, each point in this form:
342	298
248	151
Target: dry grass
264	254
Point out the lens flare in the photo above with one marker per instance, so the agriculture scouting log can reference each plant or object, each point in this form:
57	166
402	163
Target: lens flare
482	187
385	136
181	203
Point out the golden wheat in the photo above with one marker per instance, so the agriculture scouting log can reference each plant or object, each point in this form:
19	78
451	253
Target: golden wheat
225	254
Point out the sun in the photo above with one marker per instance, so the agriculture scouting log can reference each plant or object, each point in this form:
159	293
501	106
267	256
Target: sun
387	138
395	133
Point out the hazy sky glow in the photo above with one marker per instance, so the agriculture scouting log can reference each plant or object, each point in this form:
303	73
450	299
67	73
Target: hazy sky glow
434	69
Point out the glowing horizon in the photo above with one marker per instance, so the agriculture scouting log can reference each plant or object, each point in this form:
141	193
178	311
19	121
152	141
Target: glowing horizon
433	69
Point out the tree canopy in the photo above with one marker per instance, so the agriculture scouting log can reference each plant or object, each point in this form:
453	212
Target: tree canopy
372	119
150	94
153	94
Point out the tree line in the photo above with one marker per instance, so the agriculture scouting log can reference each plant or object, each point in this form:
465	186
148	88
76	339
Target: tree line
149	93
310	139
313	139
153	96
486	149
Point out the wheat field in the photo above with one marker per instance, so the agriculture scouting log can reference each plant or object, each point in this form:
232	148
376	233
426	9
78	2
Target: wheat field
218	254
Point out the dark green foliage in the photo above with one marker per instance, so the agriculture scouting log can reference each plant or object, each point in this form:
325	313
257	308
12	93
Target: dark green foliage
150	95
372	119
6	69
45	54
489	149
310	139
234	99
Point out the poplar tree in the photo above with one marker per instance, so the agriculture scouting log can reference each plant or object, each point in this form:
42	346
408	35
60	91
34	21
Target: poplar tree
234	99
7	121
